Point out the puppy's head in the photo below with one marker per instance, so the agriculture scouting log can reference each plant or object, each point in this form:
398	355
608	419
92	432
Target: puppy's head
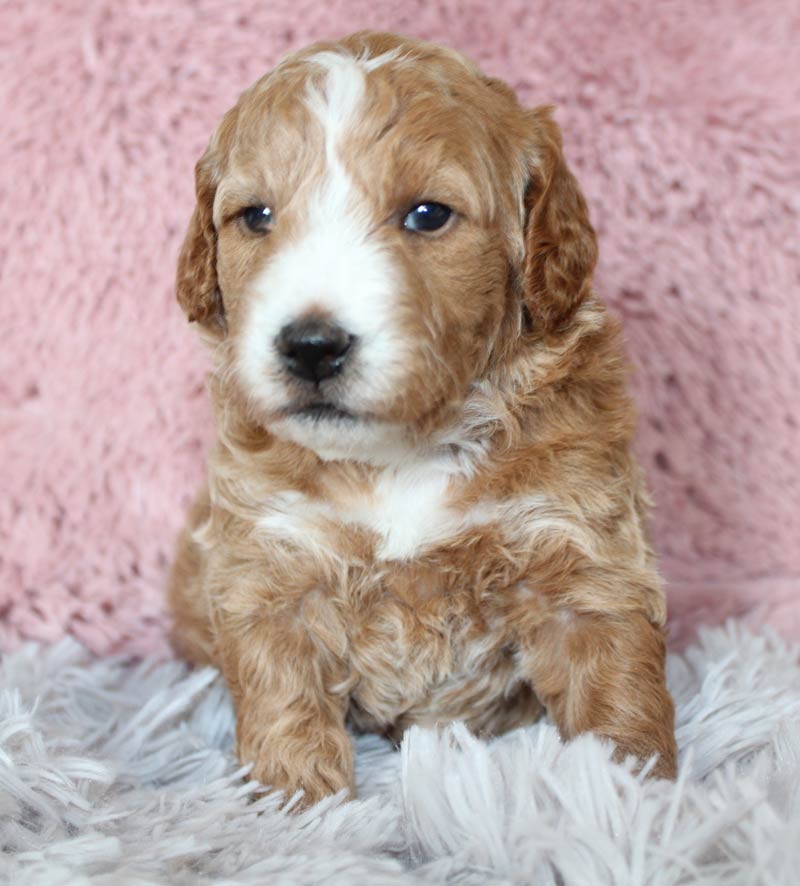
378	226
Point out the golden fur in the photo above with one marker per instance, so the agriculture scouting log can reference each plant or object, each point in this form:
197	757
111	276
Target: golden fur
527	580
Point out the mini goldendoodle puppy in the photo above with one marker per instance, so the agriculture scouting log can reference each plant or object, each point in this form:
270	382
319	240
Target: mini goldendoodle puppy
421	506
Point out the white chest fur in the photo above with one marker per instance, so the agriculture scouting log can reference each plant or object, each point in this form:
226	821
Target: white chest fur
408	510
407	507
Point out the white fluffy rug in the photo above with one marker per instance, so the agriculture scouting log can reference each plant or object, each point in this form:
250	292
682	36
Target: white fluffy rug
121	775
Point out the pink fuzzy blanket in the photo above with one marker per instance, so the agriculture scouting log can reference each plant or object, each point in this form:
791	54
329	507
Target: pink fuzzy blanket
682	120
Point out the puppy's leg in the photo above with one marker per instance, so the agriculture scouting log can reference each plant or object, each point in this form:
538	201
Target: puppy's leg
605	674
191	633
289	721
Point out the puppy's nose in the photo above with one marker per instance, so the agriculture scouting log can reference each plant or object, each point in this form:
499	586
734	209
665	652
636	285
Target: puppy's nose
313	349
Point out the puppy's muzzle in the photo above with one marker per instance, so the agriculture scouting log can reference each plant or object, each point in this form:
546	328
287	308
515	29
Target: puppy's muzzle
314	349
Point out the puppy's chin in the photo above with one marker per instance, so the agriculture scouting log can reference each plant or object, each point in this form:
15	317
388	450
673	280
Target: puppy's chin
335	435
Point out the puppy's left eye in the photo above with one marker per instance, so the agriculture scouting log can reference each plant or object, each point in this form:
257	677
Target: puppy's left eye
258	219
427	217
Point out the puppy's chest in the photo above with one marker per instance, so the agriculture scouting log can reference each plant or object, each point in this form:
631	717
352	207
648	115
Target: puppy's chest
401	514
406	656
410	592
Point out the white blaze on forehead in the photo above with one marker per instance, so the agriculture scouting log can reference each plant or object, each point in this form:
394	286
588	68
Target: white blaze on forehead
335	102
334	262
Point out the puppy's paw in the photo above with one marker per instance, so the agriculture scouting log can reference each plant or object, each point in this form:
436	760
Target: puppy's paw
666	764
314	785
665	767
320	772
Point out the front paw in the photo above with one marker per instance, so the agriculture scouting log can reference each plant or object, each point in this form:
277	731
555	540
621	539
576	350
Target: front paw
666	764
316	772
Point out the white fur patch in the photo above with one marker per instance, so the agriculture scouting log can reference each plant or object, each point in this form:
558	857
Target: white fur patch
335	264
409	511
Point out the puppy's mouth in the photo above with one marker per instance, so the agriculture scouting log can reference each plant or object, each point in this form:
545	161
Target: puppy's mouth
320	411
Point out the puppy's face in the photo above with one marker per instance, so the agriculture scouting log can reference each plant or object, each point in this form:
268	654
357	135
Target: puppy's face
378	225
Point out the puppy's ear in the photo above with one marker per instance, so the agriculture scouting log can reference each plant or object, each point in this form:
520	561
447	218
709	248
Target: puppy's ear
196	280
560	243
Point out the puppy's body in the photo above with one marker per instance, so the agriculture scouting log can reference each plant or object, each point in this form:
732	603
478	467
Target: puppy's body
450	526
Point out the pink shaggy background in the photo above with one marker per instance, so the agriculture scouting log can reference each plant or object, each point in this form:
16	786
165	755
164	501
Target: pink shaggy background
682	120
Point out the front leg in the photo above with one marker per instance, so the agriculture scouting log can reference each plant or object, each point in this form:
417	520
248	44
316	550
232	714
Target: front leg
289	721
605	674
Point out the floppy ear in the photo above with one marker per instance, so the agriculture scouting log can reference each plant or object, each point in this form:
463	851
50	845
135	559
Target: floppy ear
196	280
560	243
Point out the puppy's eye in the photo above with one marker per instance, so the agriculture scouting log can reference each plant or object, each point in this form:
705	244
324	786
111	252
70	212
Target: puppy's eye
427	217
258	219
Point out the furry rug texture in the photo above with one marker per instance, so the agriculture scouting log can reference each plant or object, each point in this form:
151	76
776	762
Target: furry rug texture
682	121
121	775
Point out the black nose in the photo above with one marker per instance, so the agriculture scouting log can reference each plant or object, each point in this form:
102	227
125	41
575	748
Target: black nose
313	348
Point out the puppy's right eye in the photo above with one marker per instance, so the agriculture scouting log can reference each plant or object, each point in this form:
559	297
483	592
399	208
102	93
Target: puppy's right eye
257	219
427	217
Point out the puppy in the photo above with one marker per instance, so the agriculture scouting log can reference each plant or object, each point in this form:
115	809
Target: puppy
421	506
